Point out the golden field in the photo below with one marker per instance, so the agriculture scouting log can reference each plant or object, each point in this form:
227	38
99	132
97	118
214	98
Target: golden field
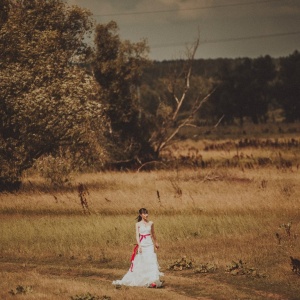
211	216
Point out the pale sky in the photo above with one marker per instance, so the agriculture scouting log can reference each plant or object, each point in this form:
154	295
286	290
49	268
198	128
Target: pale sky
228	28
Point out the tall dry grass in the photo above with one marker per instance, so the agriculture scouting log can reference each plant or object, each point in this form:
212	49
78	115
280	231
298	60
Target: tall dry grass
211	215
196	207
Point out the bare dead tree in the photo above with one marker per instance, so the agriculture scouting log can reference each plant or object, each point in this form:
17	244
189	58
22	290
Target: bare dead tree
171	124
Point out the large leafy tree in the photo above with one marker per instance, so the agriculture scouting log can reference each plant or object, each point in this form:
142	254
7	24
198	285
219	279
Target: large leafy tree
118	66
46	101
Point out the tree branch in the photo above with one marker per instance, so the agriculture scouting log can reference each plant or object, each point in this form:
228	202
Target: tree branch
191	57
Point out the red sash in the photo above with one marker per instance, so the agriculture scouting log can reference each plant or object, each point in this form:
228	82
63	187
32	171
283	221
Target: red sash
135	249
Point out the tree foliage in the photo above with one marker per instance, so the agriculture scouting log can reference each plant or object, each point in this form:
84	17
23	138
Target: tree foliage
247	88
47	102
244	90
141	126
289	87
118	66
50	104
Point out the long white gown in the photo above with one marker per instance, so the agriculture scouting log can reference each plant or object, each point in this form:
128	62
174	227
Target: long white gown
144	270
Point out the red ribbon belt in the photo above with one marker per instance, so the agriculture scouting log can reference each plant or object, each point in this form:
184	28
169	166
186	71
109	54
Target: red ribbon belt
135	249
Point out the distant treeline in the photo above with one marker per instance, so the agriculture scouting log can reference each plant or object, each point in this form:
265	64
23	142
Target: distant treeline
244	87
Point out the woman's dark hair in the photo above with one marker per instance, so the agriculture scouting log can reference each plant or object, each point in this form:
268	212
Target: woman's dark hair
141	211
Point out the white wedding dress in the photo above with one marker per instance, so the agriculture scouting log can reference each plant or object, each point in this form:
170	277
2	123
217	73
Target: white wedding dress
144	270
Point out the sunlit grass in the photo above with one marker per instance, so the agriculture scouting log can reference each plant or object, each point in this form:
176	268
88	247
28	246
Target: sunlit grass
209	215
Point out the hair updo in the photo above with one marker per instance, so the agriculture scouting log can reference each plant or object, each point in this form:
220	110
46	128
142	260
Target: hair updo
141	211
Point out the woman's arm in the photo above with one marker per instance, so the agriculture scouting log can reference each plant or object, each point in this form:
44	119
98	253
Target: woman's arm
154	236
137	236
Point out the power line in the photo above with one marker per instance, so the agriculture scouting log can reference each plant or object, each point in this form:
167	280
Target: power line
184	9
252	37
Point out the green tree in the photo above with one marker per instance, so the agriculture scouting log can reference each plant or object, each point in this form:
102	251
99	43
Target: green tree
118	66
47	102
244	90
232	96
289	87
263	73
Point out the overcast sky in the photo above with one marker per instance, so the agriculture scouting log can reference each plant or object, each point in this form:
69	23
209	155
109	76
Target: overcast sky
228	28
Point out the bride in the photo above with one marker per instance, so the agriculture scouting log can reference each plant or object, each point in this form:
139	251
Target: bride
144	269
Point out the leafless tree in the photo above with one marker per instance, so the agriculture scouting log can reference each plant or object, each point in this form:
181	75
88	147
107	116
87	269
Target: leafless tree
172	121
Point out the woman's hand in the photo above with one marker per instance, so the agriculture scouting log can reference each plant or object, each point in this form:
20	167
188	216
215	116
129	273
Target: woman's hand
140	249
156	246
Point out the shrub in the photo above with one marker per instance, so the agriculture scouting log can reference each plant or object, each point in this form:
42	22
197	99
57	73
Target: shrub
56	170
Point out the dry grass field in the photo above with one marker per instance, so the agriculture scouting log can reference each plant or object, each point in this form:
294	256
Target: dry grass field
232	227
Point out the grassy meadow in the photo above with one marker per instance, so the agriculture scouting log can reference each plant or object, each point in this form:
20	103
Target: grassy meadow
235	223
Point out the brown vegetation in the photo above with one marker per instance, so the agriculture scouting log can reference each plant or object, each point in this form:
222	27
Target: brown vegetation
235	227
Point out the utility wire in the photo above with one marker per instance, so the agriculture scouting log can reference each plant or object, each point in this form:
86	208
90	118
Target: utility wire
252	37
184	9
202	8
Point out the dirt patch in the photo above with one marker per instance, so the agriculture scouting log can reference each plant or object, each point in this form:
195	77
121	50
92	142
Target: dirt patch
86	278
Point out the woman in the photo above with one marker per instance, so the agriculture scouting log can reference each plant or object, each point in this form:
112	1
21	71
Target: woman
144	269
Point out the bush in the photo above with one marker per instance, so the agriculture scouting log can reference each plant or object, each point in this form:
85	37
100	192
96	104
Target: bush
56	170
